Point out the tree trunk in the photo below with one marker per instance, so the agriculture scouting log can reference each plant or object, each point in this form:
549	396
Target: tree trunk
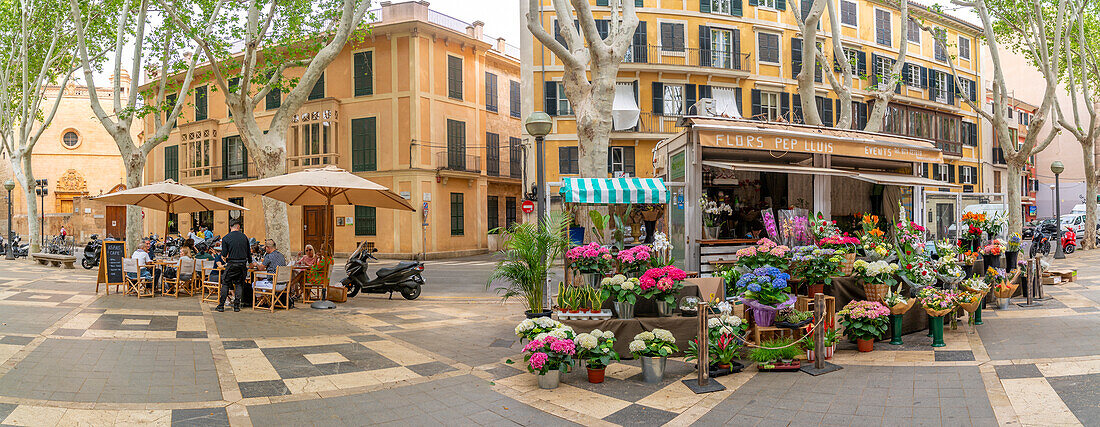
21	165
805	78
1012	190
271	161
877	119
594	129
1089	238
135	223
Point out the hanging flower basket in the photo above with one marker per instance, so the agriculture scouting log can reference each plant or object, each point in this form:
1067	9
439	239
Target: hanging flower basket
764	315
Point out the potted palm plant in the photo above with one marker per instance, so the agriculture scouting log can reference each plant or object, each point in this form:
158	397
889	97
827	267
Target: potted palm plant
529	250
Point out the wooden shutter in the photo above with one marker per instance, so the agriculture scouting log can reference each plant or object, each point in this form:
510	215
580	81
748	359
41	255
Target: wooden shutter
666	36
557	33
200	103
689	93
704	91
704	45
550	98
704	6
754	2
781	4
318	90
628	160
602	27
785	105
796	109
362	66
641	48
736	49
805	9
755	94
796	57
678	37
601	2
658	99
933	83
735	8
454	77
491	92
739	97
364	147
514	98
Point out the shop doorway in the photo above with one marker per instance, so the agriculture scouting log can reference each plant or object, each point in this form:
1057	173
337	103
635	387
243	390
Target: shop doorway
317	223
945	217
115	219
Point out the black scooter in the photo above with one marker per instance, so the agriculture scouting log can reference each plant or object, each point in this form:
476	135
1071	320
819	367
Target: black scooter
19	250
404	277
91	253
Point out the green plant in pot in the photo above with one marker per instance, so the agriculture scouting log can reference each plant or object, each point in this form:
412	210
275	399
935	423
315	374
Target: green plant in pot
772	352
816	267
831	337
597	349
529	251
723	340
624	291
864	321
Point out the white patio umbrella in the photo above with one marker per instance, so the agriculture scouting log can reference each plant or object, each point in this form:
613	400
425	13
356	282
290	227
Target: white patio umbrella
170	197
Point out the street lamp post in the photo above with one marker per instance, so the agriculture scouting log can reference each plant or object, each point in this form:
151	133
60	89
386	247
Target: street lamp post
538	125
41	188
9	185
1057	168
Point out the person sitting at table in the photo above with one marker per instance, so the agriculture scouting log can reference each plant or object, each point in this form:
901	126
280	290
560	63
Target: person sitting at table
141	255
272	258
308	258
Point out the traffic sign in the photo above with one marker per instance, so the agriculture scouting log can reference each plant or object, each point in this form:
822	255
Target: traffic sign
527	206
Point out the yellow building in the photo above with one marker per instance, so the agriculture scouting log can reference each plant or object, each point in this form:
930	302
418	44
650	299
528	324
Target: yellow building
745	54
431	111
78	158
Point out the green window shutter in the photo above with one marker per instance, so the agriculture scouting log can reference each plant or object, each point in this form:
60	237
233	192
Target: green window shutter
363	67
639	3
601	2
491	92
796	57
454	77
170	104
492	210
200	103
364	144
704	6
781	4
735	8
755	94
318	90
550	98
274	99
366	221
458	220
658	99
172	163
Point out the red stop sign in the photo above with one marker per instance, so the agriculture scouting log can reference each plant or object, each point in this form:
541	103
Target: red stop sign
527	206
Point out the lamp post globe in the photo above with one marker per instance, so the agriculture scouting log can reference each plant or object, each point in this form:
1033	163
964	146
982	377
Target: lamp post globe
1057	167
538	125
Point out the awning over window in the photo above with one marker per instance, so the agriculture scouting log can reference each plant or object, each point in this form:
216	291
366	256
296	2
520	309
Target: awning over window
624	111
899	179
613	190
764	167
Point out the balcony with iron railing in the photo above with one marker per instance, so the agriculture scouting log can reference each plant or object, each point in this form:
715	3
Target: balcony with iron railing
216	172
504	168
687	57
457	161
654	123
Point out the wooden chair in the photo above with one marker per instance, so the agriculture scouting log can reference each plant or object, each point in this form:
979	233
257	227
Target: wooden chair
186	276
275	291
314	285
211	281
170	283
136	285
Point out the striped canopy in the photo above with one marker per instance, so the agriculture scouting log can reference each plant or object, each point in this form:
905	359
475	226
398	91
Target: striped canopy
613	190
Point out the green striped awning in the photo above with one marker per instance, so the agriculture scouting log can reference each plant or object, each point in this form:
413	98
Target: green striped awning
613	190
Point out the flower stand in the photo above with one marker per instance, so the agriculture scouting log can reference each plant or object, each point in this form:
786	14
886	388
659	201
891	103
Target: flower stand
977	317
550	380
935	325
895	326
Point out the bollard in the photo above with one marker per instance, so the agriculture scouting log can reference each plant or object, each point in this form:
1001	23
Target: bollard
819	334
1033	270
704	345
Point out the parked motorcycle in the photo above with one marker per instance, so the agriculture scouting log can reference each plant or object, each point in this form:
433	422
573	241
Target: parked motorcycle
91	253
19	249
404	277
1040	240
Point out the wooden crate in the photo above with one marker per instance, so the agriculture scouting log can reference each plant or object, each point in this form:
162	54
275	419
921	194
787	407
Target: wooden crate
806	304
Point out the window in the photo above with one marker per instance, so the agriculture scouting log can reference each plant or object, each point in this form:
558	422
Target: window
310	144
234	158
672	37
620	161
364	144
563	101
70	139
769	105
363	67
492	154
492	208
454	77
172	163
856	59
894	120
768	44
914	31
515	157
274	98
198	157
724	7
883	28
920	124
940	89
491	92
964	89
964	47
568	161
968	175
509	211
513	98
912	75
200	103
948	128
673	97
939	50
456	145
366	221
237	214
721	49
318	90
170	101
774	4
849	13
458	222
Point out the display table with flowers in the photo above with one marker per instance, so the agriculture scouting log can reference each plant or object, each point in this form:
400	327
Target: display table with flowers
847	289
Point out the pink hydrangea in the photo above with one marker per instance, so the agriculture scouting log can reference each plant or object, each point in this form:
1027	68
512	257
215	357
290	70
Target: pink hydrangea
563	346
533	345
538	360
746	252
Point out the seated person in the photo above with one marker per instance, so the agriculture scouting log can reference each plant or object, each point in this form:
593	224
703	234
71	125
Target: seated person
141	255
272	258
308	258
215	254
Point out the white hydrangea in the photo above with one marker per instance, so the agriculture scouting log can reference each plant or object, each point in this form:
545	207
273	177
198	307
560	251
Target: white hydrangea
714	322
731	320
562	333
546	322
645	336
596	333
608	335
664	335
636	346
586	341
618	279
628	285
541	336
605	282
524	326
728	330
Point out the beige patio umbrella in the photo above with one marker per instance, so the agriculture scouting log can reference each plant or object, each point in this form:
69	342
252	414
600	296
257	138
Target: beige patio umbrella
170	197
325	186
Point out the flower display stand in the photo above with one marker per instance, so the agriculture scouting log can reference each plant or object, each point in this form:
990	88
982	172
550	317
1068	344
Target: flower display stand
807	304
895	329
779	366
584	315
935	325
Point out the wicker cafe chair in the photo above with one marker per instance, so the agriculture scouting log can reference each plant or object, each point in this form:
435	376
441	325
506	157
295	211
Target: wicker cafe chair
275	291
211	281
136	284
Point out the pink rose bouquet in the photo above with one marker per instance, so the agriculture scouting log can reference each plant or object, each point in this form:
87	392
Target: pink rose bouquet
662	283
634	261
766	252
590	258
841	242
549	353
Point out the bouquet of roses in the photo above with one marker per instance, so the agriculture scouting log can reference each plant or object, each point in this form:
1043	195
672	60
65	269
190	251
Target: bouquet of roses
549	353
590	258
936	301
823	228
1013	244
623	289
995	247
766	252
767	285
974	223
530	328
920	271
877	271
864	320
662	283
597	348
815	265
969	257
659	343
842	243
635	260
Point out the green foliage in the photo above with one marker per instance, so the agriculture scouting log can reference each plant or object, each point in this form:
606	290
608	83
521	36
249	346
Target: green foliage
529	253
774	350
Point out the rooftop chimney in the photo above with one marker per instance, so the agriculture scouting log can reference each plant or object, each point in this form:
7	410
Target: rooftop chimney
404	11
501	44
475	30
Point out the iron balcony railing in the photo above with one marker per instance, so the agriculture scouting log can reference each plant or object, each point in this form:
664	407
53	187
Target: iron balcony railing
687	56
458	161
655	123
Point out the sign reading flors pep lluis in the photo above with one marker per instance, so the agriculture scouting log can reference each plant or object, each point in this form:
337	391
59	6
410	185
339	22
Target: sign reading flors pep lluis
809	144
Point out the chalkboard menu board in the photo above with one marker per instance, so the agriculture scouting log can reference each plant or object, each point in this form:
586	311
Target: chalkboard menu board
110	265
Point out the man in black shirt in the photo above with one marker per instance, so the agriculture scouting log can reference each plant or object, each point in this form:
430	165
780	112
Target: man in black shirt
235	251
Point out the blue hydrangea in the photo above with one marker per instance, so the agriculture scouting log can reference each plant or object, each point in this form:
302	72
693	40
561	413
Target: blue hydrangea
754	287
779	284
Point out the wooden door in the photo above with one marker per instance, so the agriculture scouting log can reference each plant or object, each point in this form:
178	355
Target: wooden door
115	221
317	224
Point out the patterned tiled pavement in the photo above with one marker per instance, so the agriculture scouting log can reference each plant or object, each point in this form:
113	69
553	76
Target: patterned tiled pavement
69	356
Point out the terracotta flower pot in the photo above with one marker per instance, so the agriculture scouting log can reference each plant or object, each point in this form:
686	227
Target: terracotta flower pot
595	376
815	288
865	345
